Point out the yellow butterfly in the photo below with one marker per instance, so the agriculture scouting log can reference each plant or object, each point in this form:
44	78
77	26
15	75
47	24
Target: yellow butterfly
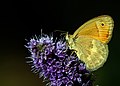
90	40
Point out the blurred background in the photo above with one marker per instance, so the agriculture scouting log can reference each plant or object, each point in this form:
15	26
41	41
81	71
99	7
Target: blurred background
20	20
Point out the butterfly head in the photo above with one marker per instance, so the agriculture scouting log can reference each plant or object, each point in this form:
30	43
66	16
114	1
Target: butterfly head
70	41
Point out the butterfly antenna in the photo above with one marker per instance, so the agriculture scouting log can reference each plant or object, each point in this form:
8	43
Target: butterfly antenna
62	32
59	31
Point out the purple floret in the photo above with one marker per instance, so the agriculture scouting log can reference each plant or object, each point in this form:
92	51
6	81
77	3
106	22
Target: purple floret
53	62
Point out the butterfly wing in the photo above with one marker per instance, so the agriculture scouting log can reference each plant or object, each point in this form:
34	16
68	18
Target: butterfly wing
90	41
100	28
91	51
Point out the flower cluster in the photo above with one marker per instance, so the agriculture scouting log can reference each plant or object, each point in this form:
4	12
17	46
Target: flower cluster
53	61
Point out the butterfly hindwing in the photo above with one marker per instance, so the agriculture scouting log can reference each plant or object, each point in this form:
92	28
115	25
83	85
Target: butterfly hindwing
94	53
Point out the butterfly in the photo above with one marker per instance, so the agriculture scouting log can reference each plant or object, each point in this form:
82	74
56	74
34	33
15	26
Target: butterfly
90	41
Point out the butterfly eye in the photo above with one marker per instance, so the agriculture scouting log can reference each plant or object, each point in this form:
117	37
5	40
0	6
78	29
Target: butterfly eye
74	39
102	24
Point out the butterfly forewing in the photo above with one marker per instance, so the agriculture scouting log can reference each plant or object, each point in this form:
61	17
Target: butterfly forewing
99	28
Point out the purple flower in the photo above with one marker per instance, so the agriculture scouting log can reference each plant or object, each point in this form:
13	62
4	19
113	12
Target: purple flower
53	61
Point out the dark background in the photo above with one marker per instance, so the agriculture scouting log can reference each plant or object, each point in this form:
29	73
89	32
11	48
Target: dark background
20	20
